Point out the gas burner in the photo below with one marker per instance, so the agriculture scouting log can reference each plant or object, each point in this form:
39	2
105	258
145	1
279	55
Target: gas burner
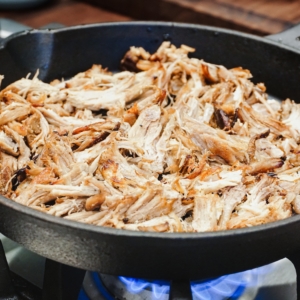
243	285
230	286
135	289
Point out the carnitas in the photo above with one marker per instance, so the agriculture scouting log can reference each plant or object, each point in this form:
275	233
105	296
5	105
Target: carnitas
170	144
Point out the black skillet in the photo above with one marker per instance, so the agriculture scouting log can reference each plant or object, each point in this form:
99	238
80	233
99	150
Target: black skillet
63	53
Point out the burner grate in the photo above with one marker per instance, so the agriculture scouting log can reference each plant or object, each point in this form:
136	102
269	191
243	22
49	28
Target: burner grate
64	283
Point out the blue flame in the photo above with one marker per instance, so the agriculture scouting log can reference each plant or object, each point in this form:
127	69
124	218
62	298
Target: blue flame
228	286
159	289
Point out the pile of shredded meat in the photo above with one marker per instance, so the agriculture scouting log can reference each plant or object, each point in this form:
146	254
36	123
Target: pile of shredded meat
170	144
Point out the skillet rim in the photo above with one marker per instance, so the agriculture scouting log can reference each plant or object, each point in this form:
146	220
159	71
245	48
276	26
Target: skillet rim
44	217
214	29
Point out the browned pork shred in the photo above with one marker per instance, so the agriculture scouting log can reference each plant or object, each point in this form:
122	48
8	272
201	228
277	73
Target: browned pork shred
180	146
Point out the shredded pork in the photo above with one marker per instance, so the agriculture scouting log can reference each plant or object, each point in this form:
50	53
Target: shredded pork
170	144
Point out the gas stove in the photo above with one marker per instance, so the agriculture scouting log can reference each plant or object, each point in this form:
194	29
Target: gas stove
28	271
26	275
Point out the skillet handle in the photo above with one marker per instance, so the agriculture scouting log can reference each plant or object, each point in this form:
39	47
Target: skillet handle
289	37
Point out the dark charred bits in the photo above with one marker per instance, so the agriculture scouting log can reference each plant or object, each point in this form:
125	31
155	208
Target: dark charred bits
125	220
279	137
128	63
34	157
102	112
187	215
169	101
128	153
74	147
100	138
26	141
235	117
19	176
160	176
222	119
51	203
272	174
264	134
117	127
185	167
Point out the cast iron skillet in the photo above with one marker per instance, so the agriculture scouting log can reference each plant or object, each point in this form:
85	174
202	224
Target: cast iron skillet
63	53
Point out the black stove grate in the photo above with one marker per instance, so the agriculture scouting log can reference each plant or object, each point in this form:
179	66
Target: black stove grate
63	282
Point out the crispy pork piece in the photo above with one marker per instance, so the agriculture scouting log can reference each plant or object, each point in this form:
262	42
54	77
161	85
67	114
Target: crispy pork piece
296	204
64	207
261	123
132	58
259	206
170	144
210	139
56	154
145	134
118	95
291	116
8	145
24	151
205	212
160	224
230	198
9	166
59	190
14	111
